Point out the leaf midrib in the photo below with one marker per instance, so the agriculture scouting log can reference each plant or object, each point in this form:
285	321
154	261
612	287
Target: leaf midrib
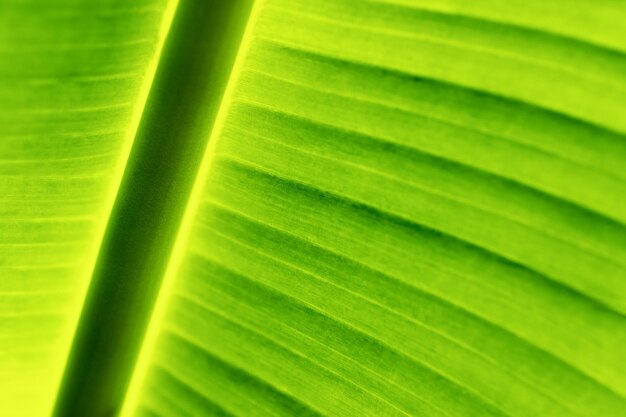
193	70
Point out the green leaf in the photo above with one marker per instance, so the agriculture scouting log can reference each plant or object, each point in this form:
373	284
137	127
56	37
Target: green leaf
407	212
405	208
72	77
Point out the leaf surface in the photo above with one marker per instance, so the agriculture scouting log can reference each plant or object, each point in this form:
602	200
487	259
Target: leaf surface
406	208
71	76
412	208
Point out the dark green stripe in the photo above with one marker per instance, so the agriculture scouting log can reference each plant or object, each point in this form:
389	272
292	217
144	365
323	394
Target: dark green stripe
195	65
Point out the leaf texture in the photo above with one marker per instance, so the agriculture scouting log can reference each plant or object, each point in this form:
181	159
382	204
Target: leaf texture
413	208
71	73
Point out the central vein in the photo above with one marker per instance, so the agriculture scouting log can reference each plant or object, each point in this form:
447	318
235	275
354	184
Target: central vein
194	68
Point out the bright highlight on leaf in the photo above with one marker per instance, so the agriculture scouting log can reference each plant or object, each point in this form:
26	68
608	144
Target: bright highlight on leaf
405	208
